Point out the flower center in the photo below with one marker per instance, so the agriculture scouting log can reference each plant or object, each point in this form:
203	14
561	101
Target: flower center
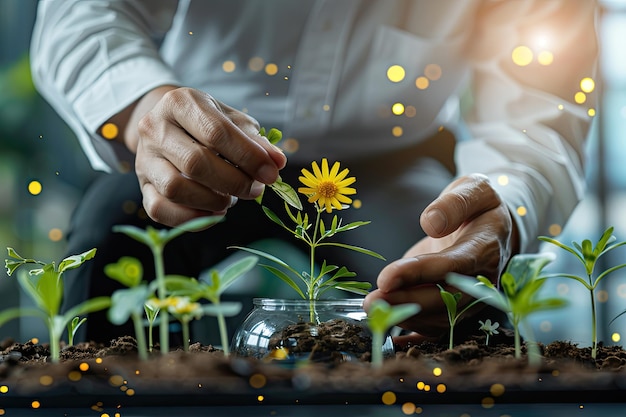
327	189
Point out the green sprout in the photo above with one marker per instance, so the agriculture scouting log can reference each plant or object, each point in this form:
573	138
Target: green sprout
152	313
156	239
327	189
381	317
45	286
128	302
520	285
489	329
588	255
182	309
72	328
451	300
212	291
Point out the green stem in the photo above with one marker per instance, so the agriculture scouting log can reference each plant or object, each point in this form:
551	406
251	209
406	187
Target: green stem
150	341
451	341
140	337
377	350
159	268
185	325
518	344
221	322
310	290
55	341
594	333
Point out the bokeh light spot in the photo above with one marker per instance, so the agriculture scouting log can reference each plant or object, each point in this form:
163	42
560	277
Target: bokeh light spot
357	204
487	402
74	376
34	187
602	296
110	131
408	408
545	58
4	389
396	73
410	111
621	290
441	388
591	112
46	380
616	337
587	84
35	404
580	97
555	229
55	234
433	72
422	83
562	289
521	210
228	66
271	69
257	381
497	390
256	64
389	398
503	180
397	109
397	131
522	55
545	326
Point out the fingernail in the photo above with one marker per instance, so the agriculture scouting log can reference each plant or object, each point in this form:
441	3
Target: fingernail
437	220
256	189
233	201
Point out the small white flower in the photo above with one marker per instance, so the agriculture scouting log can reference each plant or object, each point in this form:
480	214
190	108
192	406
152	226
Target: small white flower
489	328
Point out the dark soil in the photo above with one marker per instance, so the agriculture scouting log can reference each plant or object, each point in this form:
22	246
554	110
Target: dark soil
471	371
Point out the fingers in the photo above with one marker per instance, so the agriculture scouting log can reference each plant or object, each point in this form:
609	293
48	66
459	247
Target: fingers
462	200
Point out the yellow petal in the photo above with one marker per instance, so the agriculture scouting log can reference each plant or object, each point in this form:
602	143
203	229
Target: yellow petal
334	170
324	168
316	170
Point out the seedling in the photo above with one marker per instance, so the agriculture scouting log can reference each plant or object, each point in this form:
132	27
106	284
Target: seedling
129	302
588	256
183	310
520	284
381	317
326	189
156	241
489	329
72	328
45	286
451	300
212	291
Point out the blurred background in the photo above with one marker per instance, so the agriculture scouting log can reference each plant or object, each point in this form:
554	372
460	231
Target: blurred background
43	173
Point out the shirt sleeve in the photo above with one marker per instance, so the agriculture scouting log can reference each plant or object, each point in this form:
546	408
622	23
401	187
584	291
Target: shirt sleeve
528	130
91	59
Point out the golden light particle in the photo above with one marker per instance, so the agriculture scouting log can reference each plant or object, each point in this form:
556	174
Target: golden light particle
560	107
522	55
84	366
545	58
432	72
34	187
117	414
256	64
110	131
562	289
410	111
290	145
545	326
357	204
591	112
621	290
426	387
397	109
74	376
487	402
105	415
437	371
228	66
503	180
580	97
397	131
137	371
521	210
260	398
396	73
116	380
123	388
556	373
98	360
555	229
55	234
408	408
581	406
35	404
4	389
497	390
190	32
420	385
587	84
130	392
602	296
441	388
257	381
388	398
46	380
271	69
616	337
422	83
34	340
419	410
1	411
326	107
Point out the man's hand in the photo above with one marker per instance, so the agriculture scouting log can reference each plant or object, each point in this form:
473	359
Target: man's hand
196	156
469	231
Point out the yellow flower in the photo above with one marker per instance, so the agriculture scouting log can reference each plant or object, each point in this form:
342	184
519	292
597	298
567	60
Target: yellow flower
328	188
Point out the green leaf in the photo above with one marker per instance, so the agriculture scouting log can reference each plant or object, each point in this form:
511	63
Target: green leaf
563	246
354	248
13	254
382	315
286	278
86	307
29	286
274	136
17	312
227	309
125	302
356	287
268	257
477	289
193	225
75	261
11	266
50	290
128	271
236	270
287	193
273	217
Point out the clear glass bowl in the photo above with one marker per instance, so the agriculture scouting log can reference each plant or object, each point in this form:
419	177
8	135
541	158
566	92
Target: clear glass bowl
290	331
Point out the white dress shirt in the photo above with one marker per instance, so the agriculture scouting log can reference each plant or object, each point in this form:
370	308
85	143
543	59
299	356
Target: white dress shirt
318	70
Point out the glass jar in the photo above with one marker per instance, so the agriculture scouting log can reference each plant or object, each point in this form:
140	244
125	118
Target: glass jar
290	331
